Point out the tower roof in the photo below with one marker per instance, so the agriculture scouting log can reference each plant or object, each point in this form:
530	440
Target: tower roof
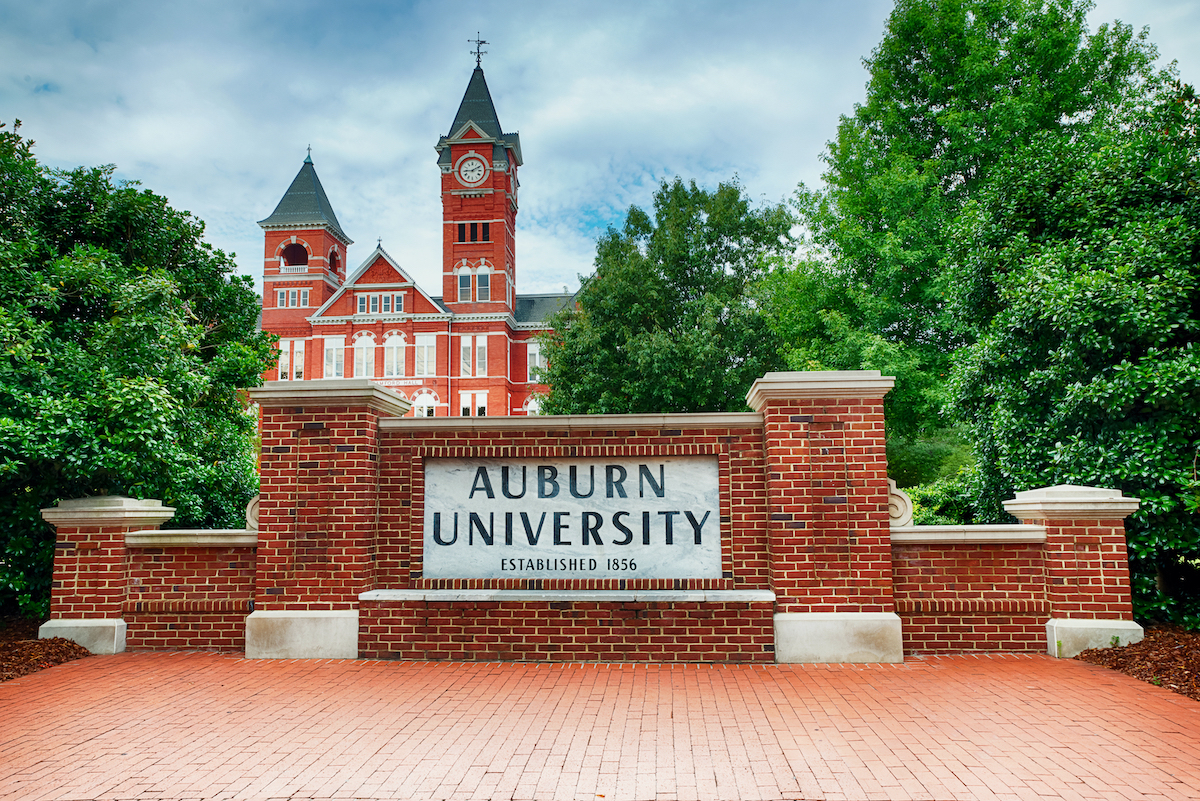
305	204
477	107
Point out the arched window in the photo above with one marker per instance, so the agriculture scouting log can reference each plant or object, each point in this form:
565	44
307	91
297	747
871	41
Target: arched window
423	403
295	255
335	264
364	356
533	405
393	355
483	281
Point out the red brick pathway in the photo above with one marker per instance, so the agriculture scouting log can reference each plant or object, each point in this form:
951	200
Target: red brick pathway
203	726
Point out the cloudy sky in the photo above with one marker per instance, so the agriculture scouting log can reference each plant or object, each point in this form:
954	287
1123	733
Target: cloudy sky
213	104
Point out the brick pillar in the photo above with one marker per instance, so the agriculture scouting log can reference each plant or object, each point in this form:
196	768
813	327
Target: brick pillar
1087	566
318	512
830	536
90	564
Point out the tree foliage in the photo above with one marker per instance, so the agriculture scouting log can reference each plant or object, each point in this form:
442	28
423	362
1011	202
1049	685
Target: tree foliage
954	86
124	341
1077	271
666	323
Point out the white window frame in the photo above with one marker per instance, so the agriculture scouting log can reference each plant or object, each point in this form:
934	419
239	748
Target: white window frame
393	356
481	349
483	287
423	404
425	361
298	360
335	357
364	357
464	276
534	360
465	358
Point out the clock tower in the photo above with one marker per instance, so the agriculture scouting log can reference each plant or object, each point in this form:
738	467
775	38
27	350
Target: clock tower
478	162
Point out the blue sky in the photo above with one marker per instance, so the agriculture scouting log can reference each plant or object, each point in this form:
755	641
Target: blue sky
213	103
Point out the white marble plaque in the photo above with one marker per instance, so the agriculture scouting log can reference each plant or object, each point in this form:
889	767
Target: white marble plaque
651	517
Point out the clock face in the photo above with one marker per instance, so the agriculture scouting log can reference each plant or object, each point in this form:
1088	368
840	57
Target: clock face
471	171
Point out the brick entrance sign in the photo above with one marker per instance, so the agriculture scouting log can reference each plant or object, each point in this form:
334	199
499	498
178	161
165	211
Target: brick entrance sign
766	536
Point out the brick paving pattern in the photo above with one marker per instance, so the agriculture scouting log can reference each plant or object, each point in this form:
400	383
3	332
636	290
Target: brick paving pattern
185	726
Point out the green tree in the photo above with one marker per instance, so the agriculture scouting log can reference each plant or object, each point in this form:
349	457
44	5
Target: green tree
954	86
666	323
1078	272
124	342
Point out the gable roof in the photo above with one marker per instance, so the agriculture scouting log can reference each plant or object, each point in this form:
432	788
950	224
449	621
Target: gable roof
351	281
305	203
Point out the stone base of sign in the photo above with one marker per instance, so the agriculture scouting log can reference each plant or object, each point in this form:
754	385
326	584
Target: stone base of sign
1067	637
302	634
104	636
818	637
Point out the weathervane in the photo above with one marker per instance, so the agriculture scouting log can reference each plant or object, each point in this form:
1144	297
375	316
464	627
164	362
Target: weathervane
479	43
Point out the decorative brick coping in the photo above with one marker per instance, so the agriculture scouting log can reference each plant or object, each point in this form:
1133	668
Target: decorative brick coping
967	535
569	422
586	596
192	538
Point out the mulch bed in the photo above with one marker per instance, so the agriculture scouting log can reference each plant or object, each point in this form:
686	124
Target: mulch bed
22	653
1168	657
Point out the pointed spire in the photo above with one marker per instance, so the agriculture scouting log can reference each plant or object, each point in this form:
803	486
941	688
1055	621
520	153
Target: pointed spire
477	107
305	204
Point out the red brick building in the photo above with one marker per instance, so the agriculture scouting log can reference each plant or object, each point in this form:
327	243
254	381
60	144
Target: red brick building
468	351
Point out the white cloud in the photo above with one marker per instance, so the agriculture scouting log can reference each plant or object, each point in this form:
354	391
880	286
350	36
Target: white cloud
213	104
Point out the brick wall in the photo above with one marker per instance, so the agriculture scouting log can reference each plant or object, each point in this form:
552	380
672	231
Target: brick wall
1087	569
828	504
803	505
319	508
190	597
979	597
568	631
398	550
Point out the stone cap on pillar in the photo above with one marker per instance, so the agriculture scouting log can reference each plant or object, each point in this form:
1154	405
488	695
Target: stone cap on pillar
1071	502
818	384
331	392
108	510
